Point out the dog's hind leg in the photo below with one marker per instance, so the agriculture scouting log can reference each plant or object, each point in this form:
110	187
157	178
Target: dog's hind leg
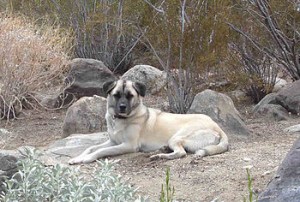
175	144
214	145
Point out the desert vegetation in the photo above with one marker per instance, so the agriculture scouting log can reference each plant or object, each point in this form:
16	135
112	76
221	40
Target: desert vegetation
32	58
244	43
197	42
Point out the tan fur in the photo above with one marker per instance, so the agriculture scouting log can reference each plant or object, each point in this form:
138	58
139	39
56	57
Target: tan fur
147	129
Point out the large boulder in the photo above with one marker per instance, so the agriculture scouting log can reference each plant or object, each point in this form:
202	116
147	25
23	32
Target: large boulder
86	77
221	109
285	186
87	115
289	97
270	108
153	78
287	101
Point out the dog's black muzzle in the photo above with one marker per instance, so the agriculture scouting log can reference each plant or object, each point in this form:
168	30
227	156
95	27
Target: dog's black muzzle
123	107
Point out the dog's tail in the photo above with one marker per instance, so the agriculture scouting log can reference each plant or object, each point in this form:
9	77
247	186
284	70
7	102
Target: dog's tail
216	149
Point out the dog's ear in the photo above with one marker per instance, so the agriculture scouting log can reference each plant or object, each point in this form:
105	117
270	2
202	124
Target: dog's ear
109	85
140	88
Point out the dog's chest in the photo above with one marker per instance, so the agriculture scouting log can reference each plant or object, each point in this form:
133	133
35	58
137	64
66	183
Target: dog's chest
117	131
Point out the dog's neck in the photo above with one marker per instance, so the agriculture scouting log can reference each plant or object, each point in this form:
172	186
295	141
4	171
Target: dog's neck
119	117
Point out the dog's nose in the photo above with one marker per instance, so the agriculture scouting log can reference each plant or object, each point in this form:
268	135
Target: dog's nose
122	107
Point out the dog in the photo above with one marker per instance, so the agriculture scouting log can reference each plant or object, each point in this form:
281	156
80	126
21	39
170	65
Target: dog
133	127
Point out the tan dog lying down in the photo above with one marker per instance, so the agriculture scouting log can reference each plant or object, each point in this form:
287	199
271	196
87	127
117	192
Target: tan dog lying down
133	127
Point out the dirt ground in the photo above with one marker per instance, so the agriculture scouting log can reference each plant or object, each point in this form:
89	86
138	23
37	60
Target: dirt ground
221	177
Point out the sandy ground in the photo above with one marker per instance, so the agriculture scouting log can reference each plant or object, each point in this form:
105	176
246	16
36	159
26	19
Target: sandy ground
221	177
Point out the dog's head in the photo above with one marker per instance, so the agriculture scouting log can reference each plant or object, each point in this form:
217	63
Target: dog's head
123	97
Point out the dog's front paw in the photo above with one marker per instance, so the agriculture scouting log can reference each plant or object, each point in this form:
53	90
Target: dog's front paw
155	157
76	160
82	159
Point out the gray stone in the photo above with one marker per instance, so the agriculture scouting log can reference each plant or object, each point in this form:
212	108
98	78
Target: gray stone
153	78
74	145
8	167
279	84
270	107
86	77
87	115
3	132
272	112
285	186
289	97
293	129
221	109
237	95
268	99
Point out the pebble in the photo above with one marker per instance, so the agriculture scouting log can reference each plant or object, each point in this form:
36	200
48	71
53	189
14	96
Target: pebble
246	159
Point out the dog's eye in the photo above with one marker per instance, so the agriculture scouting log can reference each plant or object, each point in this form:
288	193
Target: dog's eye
129	95
117	95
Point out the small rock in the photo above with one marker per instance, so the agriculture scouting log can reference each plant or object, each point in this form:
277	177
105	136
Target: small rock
246	159
3	131
267	173
293	129
279	84
8	167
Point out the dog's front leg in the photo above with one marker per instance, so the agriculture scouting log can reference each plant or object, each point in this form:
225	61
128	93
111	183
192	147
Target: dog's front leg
114	150
89	150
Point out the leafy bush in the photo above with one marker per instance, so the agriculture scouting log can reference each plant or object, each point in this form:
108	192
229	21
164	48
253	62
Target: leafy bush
35	182
31	58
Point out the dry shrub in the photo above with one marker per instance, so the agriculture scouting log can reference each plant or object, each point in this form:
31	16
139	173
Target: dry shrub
31	58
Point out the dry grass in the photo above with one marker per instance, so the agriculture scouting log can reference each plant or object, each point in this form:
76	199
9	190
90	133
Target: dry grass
31	58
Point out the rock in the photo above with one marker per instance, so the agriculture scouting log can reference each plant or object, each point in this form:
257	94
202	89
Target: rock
152	77
221	109
268	99
74	145
285	186
293	129
289	97
8	167
237	95
272	112
54	101
271	108
86	77
5	135
87	115
4	132
279	84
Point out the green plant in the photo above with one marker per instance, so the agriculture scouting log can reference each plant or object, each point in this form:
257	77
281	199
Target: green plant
167	193
35	182
250	188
